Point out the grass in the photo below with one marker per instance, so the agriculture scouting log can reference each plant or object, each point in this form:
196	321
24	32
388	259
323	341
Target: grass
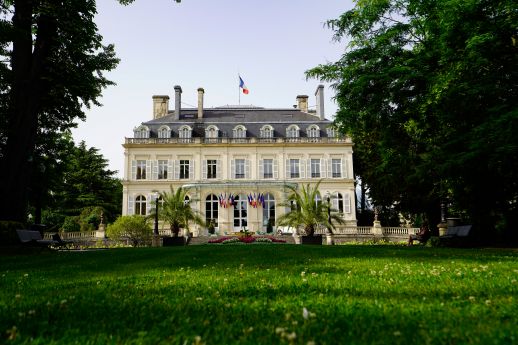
261	294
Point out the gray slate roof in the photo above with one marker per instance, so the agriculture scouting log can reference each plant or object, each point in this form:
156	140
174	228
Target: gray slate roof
226	118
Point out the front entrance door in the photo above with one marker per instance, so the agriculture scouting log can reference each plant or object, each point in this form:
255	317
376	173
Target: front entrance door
240	212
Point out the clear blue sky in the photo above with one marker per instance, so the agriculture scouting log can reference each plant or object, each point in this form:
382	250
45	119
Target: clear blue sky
203	43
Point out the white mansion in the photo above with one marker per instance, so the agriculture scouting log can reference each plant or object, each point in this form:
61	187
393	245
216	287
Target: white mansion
237	160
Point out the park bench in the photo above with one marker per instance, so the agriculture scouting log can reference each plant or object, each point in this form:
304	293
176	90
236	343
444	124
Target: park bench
456	235
33	238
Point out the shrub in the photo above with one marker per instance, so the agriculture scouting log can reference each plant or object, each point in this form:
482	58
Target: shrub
134	228
71	224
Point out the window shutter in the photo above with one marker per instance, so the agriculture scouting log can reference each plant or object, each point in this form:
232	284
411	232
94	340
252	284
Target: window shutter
218	169
133	170
191	169
154	165
148	169
347	203
131	205
149	203
176	169
288	173
323	168
344	168
330	167
232	169
275	169
302	165
204	169
170	166
261	169
247	169
308	168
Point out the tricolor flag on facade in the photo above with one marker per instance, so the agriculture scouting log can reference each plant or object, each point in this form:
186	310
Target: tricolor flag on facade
243	86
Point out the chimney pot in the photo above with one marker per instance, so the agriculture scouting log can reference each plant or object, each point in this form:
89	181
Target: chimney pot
320	102
200	102
177	101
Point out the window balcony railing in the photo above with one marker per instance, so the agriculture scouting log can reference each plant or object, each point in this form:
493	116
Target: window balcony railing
251	140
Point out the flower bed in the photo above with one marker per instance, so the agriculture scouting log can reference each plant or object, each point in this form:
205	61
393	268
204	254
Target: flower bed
246	240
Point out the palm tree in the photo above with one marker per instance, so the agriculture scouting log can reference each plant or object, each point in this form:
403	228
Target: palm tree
176	210
306	212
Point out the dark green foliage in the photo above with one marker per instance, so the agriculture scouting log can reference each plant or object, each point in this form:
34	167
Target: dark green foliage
71	224
8	232
428	92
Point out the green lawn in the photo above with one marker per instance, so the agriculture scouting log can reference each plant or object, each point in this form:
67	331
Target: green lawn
261	294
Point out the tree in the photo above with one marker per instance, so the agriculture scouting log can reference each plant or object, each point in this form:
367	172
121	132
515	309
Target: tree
176	210
306	211
56	65
427	91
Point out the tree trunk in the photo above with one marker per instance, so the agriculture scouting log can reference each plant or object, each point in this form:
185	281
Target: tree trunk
27	63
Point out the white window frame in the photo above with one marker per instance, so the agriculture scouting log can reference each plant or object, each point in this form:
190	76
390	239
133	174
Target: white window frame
164	132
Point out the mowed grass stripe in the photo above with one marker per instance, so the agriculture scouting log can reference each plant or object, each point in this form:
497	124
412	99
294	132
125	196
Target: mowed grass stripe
261	294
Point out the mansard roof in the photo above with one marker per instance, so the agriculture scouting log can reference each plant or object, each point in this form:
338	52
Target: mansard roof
227	117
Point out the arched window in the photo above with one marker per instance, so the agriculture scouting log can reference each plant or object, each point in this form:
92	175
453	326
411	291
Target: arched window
239	132
268	210
338	202
292	131
211	209
140	205
240	212
313	131
211	132
141	132
266	132
164	132
331	132
185	132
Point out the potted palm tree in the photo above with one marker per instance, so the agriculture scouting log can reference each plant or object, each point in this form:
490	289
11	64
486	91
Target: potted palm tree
308	214
176	210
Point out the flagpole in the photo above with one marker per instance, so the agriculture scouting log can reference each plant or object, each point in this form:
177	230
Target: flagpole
239	89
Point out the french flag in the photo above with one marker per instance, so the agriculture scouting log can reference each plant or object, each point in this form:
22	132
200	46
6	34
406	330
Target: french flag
243	86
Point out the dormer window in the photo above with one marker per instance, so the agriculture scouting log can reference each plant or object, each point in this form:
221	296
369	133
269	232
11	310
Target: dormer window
266	131
141	132
239	132
185	132
292	131
164	132
331	132
211	132
313	131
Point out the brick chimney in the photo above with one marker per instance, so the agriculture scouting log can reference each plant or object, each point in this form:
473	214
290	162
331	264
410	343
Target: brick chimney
302	103
177	101
200	102
320	102
160	106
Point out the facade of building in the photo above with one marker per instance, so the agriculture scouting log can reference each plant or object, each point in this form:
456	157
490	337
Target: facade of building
237	161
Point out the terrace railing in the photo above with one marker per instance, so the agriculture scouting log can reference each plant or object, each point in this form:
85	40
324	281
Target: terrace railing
253	140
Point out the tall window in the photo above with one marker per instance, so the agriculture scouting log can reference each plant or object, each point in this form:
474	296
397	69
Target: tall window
162	169
240	168
269	209
294	168
211	168
338	202
336	167
211	209
240	212
268	168
315	167
141	170
140	205
184	169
